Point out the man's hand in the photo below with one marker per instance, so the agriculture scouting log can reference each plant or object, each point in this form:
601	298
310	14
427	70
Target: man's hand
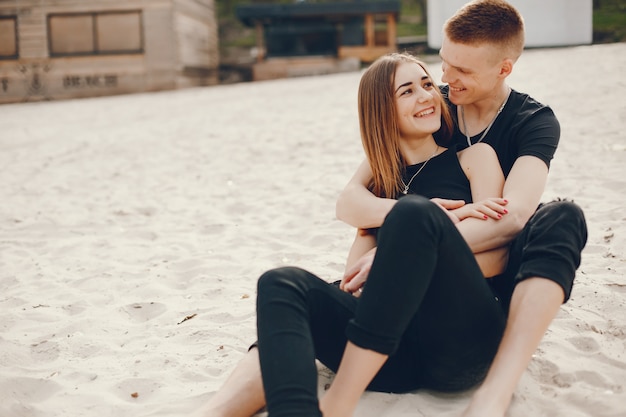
355	277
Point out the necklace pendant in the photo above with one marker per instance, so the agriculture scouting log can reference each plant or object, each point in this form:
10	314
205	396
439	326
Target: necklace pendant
405	191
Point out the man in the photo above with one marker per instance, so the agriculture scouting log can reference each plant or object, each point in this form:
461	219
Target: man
481	43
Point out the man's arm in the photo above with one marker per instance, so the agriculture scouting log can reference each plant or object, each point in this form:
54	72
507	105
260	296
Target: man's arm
523	189
358	206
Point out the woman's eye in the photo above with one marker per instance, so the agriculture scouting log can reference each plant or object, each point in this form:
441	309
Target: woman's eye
407	91
428	85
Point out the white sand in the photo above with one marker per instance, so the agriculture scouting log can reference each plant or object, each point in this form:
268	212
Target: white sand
122	216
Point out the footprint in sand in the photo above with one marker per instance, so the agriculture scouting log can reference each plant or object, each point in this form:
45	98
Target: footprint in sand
45	351
140	312
28	390
543	370
584	344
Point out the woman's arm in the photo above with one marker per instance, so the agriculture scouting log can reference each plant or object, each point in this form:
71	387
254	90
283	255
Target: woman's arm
363	242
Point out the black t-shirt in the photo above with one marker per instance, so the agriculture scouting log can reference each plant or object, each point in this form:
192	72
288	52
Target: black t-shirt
525	127
442	177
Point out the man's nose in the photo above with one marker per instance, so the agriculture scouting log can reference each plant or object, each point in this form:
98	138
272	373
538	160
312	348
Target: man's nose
446	75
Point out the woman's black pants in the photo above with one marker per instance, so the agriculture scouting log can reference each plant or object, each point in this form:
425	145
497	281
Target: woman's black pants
426	304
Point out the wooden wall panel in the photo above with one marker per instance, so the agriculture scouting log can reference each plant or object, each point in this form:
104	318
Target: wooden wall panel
32	33
196	32
192	38
179	39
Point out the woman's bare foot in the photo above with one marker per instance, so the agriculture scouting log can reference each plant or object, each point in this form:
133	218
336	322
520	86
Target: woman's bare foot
241	395
486	404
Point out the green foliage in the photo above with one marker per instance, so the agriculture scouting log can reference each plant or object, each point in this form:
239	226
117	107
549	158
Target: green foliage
411	29
609	21
412	20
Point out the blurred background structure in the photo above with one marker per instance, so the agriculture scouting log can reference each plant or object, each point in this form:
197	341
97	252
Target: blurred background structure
54	49
308	38
548	23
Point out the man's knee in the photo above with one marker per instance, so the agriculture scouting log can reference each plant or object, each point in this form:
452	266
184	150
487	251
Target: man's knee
553	245
565	217
562	210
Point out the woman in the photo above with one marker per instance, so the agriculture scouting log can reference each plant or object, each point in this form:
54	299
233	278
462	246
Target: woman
389	153
427	317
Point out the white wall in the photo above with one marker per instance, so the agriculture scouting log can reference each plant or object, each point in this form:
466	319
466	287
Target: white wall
548	22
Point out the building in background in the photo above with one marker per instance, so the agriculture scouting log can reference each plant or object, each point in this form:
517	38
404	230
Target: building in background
307	38
58	49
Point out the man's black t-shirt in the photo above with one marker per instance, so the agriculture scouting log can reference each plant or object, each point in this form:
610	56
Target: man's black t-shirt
525	127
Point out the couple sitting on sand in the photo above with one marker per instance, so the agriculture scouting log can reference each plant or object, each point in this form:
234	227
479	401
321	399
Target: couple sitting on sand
456	272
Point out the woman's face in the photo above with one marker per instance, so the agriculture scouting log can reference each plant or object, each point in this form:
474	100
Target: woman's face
418	104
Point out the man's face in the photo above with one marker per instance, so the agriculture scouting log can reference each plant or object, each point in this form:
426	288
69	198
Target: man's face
472	72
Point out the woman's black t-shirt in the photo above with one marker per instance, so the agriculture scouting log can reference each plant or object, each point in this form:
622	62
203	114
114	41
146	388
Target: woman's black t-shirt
442	177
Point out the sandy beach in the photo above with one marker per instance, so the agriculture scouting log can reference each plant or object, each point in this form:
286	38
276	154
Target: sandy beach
133	230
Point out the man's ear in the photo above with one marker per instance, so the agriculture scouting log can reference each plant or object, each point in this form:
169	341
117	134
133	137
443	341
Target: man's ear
506	68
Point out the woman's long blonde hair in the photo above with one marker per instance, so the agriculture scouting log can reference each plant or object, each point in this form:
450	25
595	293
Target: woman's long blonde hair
380	132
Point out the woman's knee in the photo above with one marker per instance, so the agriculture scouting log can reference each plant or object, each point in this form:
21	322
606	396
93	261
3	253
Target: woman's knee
279	276
410	209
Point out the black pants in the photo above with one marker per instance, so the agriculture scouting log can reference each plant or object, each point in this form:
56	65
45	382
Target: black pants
426	304
549	246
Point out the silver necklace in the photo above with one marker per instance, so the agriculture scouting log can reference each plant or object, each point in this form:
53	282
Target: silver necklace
469	140
406	186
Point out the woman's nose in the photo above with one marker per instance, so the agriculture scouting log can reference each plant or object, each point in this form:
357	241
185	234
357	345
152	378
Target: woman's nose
424	96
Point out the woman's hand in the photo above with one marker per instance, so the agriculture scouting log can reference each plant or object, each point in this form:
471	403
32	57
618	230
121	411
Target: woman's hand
493	208
448	207
356	275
